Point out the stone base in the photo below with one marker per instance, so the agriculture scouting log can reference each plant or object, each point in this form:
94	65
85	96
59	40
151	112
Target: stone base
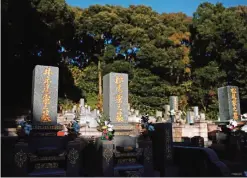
45	130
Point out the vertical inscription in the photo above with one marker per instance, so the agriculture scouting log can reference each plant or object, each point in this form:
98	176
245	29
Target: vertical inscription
119	97
46	96
234	103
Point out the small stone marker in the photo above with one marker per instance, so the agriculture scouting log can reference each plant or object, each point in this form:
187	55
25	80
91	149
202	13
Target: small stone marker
229	103
167	110
196	112
137	112
45	95
173	100
158	113
188	117
82	102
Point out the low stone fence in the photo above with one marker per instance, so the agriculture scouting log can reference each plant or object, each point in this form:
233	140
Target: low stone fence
201	129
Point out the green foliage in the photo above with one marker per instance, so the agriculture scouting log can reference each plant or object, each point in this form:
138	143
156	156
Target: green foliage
101	121
178	55
65	103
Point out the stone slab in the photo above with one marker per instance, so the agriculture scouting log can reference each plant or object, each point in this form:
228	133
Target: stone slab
45	95
115	97
229	103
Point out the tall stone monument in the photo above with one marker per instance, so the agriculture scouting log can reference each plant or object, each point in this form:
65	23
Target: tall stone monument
115	101
229	103
173	101
45	95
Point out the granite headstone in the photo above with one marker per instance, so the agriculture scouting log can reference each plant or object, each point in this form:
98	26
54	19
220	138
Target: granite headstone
229	103
45	95
173	101
115	97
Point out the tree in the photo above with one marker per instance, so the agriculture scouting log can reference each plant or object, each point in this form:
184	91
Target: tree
218	51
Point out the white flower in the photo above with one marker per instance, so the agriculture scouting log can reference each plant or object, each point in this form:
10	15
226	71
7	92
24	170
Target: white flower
234	123
109	127
244	128
106	122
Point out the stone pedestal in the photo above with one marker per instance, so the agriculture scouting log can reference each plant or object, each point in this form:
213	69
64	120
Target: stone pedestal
148	157
73	159
107	161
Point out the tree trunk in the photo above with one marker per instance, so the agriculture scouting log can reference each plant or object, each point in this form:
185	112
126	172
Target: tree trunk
100	87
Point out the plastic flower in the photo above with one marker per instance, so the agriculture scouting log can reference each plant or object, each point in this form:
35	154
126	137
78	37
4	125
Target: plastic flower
106	122
27	129
233	123
76	126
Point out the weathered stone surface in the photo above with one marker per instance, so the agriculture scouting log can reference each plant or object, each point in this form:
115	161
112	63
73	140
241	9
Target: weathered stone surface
229	106
45	95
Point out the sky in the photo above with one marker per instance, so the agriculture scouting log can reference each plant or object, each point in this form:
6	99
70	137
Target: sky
167	6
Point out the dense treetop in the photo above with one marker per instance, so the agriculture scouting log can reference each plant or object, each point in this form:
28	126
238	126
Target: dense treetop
164	54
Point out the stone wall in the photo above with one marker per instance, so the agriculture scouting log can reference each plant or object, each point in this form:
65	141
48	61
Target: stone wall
198	129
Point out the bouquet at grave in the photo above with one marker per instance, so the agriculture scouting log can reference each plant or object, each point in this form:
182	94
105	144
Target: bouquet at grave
146	126
234	125
23	128
74	127
105	127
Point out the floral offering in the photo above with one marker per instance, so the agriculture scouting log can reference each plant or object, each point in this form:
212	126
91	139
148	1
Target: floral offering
23	127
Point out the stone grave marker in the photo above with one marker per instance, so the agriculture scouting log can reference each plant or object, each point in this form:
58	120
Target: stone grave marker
192	117
229	103
196	112
202	116
167	110
115	102
173	100
159	114
82	102
45	95
137	112
74	109
188	117
115	97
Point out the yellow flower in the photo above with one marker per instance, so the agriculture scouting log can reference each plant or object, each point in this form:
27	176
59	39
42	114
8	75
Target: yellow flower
104	127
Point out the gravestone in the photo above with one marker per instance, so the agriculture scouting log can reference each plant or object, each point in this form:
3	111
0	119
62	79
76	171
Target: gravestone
229	103
167	110
192	117
158	113
45	95
115	101
173	101
137	112
188	117
202	117
74	109
115	97
82	102
196	112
